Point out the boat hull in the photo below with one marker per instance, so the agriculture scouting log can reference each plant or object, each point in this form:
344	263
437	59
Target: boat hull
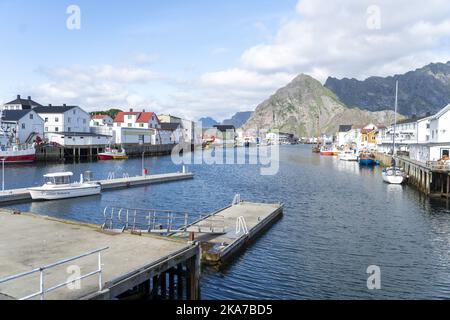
111	157
393	179
18	159
348	157
367	162
64	193
327	153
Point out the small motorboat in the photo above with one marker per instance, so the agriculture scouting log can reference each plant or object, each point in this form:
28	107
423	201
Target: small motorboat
113	154
394	175
58	186
348	155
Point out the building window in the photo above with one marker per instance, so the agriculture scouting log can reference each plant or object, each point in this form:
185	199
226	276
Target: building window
31	116
46	120
23	125
141	125
129	117
68	120
56	129
46	129
56	119
130	125
69	129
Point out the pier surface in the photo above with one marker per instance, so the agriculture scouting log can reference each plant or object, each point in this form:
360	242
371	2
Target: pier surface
23	195
242	222
28	242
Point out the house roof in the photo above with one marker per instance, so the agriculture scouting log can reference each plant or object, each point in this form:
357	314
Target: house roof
14	115
442	112
169	126
345	128
54	109
24	102
223	127
99	116
142	117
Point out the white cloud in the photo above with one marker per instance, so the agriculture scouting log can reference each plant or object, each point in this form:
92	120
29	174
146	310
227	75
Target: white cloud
333	36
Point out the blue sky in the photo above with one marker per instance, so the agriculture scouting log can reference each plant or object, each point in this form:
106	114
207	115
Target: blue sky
204	58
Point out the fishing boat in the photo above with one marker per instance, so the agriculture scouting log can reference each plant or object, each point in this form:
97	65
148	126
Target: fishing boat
17	154
348	155
394	174
59	186
328	151
367	159
113	154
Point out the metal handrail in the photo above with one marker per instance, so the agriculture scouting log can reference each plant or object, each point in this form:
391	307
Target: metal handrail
42	290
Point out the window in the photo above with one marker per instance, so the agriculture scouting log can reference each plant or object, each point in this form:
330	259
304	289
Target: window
129	117
56	129
68	119
69	129
74	111
130	125
141	125
46	120
31	116
445	152
46	129
23	125
56	119
428	126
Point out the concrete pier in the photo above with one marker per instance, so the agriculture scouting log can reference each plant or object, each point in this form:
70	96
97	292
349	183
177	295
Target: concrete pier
23	195
242	222
132	266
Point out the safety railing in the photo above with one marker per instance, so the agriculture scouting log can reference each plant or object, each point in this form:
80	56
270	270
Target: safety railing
439	165
161	221
42	288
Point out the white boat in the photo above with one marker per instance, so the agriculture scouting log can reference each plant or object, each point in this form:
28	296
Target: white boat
348	155
393	175
58	186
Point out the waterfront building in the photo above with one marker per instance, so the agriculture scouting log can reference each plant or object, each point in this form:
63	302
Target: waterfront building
21	104
171	133
101	120
406	135
64	119
280	138
433	142
223	134
345	136
22	125
187	126
137	128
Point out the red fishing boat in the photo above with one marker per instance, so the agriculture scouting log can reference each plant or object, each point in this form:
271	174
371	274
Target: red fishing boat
16	154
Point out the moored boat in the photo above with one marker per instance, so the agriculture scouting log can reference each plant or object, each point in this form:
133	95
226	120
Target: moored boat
394	175
367	159
328	151
58	186
17	154
348	155
113	154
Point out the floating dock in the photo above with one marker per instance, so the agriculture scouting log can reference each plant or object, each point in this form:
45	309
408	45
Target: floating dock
23	195
242	222
67	260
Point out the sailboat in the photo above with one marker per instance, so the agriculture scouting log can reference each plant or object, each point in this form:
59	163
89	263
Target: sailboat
394	174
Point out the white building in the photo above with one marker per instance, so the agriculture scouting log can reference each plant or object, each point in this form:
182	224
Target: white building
346	136
101	120
64	119
188	128
23	125
78	139
171	133
433	137
21	104
137	127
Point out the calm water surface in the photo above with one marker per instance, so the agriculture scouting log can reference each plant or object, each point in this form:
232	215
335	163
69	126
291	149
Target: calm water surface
338	220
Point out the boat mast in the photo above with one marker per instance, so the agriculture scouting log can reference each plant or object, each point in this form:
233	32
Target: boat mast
318	130
395	116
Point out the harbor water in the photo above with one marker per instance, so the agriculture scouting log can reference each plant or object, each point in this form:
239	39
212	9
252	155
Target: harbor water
339	219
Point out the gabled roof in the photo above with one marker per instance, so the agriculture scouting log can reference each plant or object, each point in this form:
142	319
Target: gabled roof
99	116
442	112
54	109
14	115
223	127
345	128
24	102
169	126
142	117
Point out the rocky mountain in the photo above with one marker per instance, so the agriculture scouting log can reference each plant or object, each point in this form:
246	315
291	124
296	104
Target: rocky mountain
295	108
239	119
207	122
424	90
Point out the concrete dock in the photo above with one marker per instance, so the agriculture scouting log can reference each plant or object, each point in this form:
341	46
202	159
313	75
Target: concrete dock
242	222
146	265
23	195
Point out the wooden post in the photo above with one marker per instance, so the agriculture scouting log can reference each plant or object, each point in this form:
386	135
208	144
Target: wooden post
448	186
172	284
163	285
180	282
154	293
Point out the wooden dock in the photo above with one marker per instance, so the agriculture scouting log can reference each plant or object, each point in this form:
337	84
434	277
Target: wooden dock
242	223
143	266
23	195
